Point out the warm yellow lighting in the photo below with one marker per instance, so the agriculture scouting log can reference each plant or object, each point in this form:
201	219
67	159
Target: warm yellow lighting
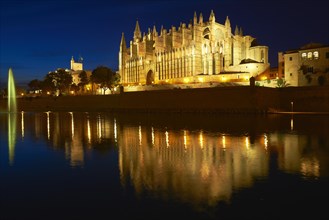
22	94
140	135
48	93
167	138
185	139
246	78
265	141
115	130
224	141
264	78
22	123
223	78
200	79
186	80
72	92
247	143
152	135
72	124
201	139
88	130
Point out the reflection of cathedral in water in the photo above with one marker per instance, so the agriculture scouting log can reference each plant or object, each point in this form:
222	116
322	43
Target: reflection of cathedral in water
194	166
191	164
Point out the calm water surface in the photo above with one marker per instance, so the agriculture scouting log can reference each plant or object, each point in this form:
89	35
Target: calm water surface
84	165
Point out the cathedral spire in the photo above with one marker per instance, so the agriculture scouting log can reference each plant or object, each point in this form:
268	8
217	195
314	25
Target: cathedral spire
154	32
241	32
195	19
123	42
227	22
212	16
201	19
137	32
236	31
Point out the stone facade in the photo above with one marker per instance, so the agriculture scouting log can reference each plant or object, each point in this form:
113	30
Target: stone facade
200	49
306	66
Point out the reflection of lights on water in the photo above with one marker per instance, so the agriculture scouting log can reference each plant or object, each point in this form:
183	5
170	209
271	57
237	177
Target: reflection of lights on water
185	139
310	167
72	124
201	139
265	141
140	135
48	126
22	123
167	138
115	130
88	130
11	136
99	127
152	135
224	142
292	124
247	143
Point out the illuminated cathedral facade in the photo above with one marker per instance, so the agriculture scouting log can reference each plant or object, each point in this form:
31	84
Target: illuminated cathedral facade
202	51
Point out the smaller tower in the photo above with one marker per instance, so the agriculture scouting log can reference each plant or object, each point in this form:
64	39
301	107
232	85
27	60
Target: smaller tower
137	32
212	18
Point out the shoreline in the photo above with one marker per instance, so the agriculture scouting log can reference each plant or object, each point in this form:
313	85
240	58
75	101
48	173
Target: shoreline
230	100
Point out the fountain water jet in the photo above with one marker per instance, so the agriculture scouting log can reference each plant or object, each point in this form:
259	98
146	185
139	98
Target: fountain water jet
11	92
12	109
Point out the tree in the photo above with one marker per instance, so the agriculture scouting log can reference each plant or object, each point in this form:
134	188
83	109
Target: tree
35	84
83	80
281	83
105	78
61	80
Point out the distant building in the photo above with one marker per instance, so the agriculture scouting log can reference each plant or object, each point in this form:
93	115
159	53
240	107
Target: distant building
306	66
198	52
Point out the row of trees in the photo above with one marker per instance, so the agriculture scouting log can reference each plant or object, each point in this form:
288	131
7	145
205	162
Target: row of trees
61	81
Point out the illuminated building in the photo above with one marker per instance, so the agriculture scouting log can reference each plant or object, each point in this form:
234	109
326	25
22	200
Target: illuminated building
306	66
201	51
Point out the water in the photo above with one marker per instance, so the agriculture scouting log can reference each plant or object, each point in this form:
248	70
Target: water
73	165
11	92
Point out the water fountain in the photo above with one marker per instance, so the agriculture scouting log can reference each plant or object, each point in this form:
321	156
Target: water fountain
11	92
12	110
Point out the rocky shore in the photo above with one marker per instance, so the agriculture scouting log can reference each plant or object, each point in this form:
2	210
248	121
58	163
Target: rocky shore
235	99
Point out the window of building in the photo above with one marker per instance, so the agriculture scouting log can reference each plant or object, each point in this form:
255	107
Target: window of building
327	55
290	74
310	69
304	56
309	55
290	58
316	55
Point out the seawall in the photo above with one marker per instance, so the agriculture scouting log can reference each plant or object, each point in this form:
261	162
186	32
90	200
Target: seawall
236	99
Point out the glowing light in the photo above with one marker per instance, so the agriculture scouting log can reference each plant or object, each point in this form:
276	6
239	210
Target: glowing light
186	80
152	135
265	141
200	79
48	126
22	123
99	127
140	135
224	142
115	130
88	130
72	124
48	93
167	138
264	78
185	139
247	143
292	123
223	78
201	139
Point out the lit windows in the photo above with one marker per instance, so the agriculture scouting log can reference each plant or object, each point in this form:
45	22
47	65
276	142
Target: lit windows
316	55
304	56
309	55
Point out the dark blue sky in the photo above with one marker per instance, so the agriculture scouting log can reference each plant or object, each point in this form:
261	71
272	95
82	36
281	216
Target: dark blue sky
38	36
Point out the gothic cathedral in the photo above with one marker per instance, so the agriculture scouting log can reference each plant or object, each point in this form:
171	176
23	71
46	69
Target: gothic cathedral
185	54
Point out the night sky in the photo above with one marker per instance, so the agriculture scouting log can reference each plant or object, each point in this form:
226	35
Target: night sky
38	36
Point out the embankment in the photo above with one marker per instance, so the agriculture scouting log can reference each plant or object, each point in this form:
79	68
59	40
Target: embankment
237	99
